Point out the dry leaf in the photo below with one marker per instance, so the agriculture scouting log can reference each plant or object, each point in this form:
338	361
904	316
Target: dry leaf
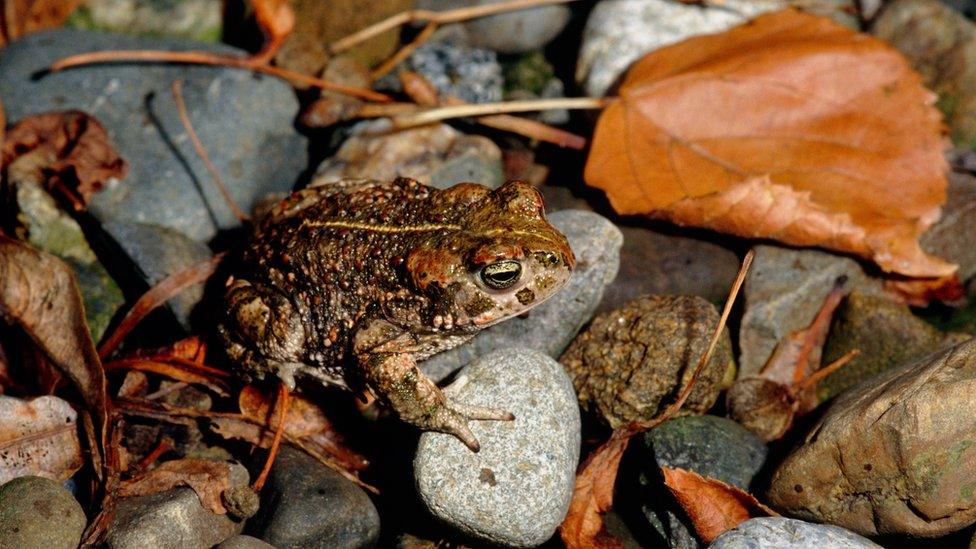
207	478
38	437
789	127
73	152
20	17
712	505
276	20
593	495
38	293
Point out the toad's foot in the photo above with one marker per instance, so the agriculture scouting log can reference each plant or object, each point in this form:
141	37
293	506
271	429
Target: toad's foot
418	401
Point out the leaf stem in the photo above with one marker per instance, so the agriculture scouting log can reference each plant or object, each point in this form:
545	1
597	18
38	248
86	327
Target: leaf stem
482	109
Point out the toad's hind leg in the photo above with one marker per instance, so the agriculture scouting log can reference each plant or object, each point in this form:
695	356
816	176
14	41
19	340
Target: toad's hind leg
262	331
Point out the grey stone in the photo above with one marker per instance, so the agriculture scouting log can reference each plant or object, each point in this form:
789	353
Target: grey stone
618	32
195	19
171	519
550	326
711	446
786	533
783	292
245	123
516	490
436	155
244	542
159	252
39	512
53	230
468	73
514	32
306	504
951	237
652	262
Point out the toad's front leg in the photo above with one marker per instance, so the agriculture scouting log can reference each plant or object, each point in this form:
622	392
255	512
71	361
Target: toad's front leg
395	378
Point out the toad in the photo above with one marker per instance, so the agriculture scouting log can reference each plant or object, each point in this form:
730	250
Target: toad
354	282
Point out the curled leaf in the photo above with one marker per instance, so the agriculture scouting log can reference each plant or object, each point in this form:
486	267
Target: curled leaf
593	496
38	437
712	505
789	127
207	478
71	149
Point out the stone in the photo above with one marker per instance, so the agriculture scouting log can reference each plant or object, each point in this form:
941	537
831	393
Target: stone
468	73
940	43
950	237
516	490
171	519
886	333
655	262
193	19
629	363
436	155
514	32
51	229
306	504
783	292
618	32
766	532
711	446
39	512
244	542
550	326
531	76
245	123
157	252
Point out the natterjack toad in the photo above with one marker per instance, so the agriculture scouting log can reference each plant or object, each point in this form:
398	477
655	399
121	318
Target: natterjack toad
354	282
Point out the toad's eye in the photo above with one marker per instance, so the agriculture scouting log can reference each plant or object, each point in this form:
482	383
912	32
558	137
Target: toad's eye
501	275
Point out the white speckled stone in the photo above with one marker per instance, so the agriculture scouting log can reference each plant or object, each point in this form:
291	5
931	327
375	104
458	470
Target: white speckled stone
516	490
786	533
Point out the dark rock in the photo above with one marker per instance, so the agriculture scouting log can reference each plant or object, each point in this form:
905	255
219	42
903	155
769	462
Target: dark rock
39	512
244	121
764	532
550	326
514	32
886	333
629	363
159	252
950	238
306	504
244	542
516	490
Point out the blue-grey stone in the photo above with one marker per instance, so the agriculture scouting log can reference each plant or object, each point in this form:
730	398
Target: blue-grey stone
550	326
787	533
516	490
244	121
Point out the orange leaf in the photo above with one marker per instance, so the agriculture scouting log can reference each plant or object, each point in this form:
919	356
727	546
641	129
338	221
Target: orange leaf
712	505
277	20
790	127
20	17
593	496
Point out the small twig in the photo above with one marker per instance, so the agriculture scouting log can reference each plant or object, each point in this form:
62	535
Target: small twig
826	371
482	109
165	445
166	289
281	404
202	153
404	52
439	17
206	58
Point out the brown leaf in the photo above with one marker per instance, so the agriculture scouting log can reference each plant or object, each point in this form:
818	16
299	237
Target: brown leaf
712	505
207	478
20	17
276	20
790	127
593	495
38	293
38	437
